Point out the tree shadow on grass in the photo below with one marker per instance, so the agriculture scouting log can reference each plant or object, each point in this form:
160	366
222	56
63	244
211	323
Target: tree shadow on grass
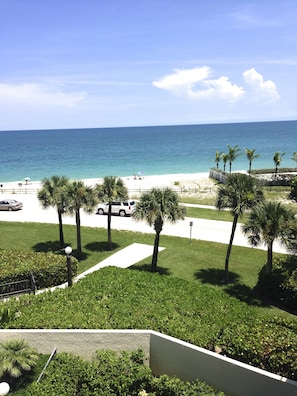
148	268
100	246
216	276
54	247
48	246
246	294
233	287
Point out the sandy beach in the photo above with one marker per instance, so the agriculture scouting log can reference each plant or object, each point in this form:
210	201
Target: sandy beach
193	183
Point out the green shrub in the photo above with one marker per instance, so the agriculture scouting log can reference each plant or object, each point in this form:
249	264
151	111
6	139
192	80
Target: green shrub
269	345
49	269
115	298
293	192
281	285
109	375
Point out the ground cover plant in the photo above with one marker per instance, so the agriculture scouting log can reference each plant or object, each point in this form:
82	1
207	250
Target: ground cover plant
109	374
198	262
48	268
200	314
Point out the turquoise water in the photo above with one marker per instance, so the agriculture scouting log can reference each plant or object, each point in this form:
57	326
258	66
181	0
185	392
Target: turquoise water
94	153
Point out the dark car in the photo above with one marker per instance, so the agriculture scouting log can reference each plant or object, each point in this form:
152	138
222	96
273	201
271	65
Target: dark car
10	204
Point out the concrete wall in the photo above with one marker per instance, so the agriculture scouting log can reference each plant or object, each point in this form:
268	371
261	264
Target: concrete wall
166	355
177	358
82	342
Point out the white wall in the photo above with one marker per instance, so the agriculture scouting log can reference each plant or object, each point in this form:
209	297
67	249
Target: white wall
166	355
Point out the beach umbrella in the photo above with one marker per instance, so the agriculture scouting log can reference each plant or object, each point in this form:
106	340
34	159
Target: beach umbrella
27	179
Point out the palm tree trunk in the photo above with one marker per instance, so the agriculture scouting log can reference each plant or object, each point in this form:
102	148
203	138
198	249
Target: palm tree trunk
234	224
269	258
155	253
78	235
109	227
62	243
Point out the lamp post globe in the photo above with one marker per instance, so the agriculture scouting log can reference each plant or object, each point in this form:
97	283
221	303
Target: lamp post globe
4	388
68	251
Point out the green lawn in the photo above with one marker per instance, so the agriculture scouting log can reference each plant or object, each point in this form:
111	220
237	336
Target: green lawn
187	299
210	214
198	261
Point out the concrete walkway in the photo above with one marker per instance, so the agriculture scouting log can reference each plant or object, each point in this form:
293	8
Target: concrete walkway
124	258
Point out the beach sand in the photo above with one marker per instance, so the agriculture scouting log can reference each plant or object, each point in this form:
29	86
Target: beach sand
193	183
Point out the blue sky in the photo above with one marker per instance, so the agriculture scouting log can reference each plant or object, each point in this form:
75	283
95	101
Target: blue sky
102	63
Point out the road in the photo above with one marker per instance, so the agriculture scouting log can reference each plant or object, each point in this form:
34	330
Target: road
206	230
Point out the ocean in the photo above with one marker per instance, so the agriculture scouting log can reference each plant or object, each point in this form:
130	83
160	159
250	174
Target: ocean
156	150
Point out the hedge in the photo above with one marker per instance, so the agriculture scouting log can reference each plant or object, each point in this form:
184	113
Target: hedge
115	298
109	375
49	269
281	285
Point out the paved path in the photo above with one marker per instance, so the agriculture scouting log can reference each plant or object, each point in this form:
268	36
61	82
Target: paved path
124	258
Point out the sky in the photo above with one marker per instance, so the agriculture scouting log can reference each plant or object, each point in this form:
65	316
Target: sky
103	63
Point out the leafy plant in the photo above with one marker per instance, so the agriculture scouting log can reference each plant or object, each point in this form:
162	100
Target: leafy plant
202	315
16	357
49	269
281	284
109	374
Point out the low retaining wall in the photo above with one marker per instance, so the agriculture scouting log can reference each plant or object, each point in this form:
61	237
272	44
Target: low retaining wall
166	355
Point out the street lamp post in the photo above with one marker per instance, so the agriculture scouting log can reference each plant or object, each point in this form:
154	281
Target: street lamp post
191	225
68	251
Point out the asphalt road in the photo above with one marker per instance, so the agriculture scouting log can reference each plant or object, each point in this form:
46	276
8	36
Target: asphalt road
206	230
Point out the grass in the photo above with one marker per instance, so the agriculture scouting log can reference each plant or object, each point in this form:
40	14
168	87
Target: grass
197	200
210	214
270	193
276	192
198	261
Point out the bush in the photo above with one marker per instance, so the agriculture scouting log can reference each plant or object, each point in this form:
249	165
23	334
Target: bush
202	315
281	285
267	344
293	192
109	375
49	269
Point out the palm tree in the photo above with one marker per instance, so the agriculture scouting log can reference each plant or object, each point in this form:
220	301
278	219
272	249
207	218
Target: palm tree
156	207
294	158
54	193
16	356
225	159
218	158
233	153
239	194
293	192
267	222
277	158
251	156
112	189
79	196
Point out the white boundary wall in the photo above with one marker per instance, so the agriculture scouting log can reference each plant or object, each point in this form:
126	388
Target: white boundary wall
166	355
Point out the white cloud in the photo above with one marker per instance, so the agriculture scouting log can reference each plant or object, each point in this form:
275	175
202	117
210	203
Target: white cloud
263	89
195	84
38	94
182	81
221	88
